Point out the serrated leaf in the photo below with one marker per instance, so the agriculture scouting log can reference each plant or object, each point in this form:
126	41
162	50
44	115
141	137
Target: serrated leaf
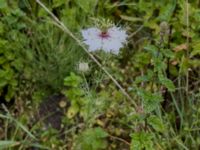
141	140
72	80
159	65
144	78
150	100
168	53
152	49
100	133
93	139
167	83
156	123
196	48
167	10
141	79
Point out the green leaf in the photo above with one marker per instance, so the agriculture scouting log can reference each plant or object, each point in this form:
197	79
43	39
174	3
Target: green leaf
156	123
167	10
195	52
2	60
91	139
184	65
145	78
1	28
141	140
150	100
74	93
3	44
196	48
141	79
159	65
68	18
166	82
153	50
17	63
100	133
57	3
141	59
11	92
18	13
72	80
168	53
86	5
195	63
173	70
3	4
3	82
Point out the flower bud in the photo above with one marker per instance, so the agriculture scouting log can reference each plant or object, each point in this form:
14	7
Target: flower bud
164	28
83	67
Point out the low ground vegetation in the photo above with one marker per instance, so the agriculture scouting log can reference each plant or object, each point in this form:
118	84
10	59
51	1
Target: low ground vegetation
144	96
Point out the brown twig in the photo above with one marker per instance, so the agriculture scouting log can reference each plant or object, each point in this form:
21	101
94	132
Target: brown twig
120	139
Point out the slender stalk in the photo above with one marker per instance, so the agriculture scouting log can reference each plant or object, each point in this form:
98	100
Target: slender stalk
66	30
187	41
138	30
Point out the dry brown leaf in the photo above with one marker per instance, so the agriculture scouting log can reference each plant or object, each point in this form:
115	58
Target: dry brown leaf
100	122
180	47
174	62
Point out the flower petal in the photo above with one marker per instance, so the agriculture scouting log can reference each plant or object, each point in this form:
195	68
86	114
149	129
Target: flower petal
94	44
90	34
112	46
117	33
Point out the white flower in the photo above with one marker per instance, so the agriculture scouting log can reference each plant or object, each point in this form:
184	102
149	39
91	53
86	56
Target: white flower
110	41
83	67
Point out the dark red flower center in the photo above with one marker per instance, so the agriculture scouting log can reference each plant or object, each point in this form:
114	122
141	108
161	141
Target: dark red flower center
104	35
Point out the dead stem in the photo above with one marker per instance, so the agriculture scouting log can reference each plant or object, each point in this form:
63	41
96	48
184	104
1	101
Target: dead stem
120	139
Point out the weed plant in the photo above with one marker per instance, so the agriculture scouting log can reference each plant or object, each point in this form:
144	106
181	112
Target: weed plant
146	97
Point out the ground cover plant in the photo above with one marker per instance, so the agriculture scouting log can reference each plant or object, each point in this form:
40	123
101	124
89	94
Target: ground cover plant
99	75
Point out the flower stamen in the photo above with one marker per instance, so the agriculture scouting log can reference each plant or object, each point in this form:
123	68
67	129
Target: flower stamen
104	35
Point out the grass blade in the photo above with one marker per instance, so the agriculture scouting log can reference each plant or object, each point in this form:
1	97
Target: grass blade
8	144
